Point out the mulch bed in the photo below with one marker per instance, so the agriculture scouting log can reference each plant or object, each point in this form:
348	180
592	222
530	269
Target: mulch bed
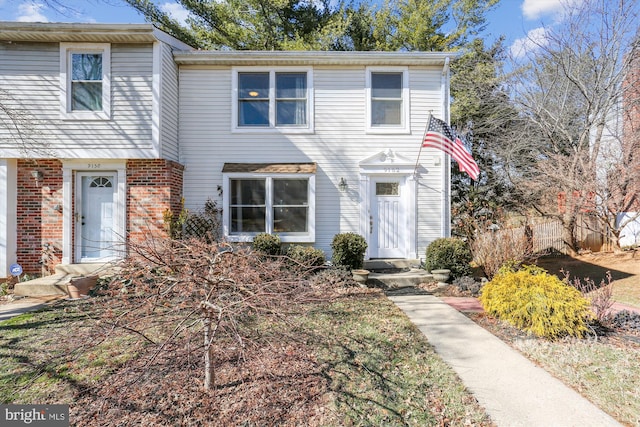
467	304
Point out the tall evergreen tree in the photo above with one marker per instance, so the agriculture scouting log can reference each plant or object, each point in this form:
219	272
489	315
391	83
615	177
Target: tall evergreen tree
322	24
483	114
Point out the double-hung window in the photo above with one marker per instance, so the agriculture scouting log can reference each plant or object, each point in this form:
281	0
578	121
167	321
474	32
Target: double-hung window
387	100
272	99
84	81
281	203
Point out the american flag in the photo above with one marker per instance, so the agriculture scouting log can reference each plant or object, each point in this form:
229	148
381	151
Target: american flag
440	136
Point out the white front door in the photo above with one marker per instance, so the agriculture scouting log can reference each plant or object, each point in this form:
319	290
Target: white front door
388	220
95	209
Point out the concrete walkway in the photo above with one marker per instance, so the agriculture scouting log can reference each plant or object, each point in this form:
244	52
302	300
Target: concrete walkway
11	309
513	390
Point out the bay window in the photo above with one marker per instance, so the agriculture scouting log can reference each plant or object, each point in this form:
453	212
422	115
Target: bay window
276	203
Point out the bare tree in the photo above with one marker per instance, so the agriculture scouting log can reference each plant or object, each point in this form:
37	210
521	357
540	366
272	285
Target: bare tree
186	297
18	128
574	92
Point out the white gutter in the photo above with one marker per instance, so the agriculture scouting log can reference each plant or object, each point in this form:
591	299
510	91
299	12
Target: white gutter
367	58
446	173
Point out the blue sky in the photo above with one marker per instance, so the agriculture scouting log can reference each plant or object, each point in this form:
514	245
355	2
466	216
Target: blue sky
520	21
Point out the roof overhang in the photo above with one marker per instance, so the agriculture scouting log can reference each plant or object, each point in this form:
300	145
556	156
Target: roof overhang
281	58
269	168
85	33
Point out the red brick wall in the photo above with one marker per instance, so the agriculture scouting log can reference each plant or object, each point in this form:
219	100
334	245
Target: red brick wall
153	187
39	224
631	130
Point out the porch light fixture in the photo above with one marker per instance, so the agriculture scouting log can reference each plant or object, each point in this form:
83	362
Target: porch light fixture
37	175
343	186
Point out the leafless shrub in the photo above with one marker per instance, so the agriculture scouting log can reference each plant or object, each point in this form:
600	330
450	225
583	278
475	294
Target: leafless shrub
600	295
334	278
189	300
492	250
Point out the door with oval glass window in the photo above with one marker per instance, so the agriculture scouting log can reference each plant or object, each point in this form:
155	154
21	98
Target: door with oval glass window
387	221
94	217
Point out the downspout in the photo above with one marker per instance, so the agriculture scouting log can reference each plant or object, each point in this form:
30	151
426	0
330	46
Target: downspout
446	164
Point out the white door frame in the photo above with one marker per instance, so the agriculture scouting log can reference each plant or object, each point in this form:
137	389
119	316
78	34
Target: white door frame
383	166
71	169
8	215
82	232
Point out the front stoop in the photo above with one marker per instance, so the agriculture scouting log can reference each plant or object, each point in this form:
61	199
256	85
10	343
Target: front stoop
380	265
403	279
396	273
56	284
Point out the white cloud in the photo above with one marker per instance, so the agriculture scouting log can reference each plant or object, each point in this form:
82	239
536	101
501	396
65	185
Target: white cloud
535	9
176	11
534	39
30	12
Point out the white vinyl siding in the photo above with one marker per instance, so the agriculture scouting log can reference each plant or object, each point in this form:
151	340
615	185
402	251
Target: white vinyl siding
32	71
338	144
168	105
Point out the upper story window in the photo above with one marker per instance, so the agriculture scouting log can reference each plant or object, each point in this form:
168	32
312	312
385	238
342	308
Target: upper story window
273	99
84	81
387	100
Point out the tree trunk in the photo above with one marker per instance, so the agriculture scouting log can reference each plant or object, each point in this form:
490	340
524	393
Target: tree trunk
570	238
209	368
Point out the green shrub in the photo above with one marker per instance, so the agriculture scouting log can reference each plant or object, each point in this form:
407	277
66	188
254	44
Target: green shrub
348	250
268	244
451	254
536	302
307	256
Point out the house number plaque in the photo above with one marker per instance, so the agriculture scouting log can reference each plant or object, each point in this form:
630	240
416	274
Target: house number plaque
94	166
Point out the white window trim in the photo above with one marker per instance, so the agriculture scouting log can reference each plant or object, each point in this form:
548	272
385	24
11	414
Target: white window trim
308	237
405	126
272	128
66	49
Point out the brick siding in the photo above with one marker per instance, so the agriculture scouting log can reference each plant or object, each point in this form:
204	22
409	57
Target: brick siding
153	186
39	224
631	123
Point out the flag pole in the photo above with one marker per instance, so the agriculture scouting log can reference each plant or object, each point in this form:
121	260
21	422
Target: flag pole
415	170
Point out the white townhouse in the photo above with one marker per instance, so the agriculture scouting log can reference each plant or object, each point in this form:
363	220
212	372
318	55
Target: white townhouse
117	123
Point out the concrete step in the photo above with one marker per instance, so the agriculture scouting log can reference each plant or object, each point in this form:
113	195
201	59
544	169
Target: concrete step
82	269
56	284
402	279
380	265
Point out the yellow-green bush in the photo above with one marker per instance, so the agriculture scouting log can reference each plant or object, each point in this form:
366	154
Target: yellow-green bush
537	302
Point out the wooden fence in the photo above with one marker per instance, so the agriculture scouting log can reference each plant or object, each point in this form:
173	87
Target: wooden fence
548	237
